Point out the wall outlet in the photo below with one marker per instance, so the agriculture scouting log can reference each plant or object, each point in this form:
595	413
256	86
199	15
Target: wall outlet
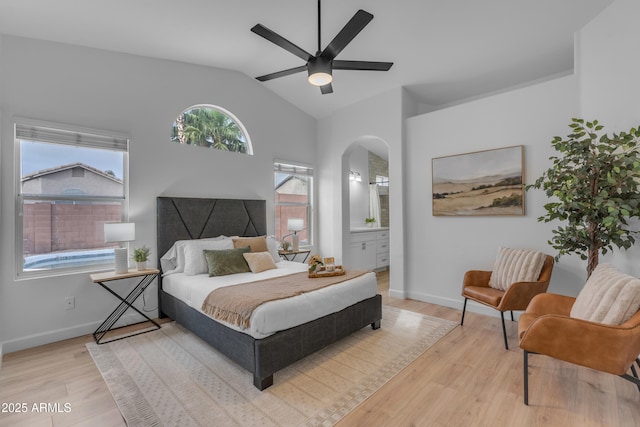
70	303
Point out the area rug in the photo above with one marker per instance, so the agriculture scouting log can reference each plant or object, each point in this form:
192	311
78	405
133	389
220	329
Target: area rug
170	377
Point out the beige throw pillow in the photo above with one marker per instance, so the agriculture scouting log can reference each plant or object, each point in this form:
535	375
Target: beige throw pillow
609	296
258	244
515	265
259	261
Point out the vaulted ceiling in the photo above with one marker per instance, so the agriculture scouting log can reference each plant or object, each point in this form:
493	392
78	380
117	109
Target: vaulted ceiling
444	51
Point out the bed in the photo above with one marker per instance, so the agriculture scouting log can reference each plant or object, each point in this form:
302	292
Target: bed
181	218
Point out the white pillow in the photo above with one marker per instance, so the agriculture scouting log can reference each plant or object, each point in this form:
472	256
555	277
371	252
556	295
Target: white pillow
272	247
194	259
515	265
173	260
609	297
168	261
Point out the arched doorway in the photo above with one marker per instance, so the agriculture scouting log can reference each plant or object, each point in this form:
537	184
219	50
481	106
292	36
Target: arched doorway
365	186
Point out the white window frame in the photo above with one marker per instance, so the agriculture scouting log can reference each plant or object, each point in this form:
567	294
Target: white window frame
230	115
300	169
57	133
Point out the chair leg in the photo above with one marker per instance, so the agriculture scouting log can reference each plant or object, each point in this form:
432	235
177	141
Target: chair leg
526	376
633	379
635	375
512	316
464	308
504	331
525	363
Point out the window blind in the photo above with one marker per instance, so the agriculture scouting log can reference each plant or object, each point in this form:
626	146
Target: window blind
76	138
293	169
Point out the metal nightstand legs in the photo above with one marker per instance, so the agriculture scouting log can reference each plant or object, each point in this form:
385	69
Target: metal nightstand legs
126	303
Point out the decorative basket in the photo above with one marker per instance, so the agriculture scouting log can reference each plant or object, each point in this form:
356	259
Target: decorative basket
322	272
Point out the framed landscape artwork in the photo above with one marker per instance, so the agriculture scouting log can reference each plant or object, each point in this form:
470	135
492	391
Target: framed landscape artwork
480	183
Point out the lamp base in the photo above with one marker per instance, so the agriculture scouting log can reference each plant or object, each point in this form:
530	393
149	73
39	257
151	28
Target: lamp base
121	260
296	242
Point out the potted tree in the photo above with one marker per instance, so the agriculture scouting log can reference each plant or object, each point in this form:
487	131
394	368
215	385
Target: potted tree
595	186
141	256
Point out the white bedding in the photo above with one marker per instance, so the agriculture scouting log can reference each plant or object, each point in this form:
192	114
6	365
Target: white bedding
278	315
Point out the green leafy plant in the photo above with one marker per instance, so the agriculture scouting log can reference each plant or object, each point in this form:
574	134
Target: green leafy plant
369	220
286	246
141	254
595	184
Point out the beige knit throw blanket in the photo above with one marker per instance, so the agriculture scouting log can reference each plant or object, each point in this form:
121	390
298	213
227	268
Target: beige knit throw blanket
234	304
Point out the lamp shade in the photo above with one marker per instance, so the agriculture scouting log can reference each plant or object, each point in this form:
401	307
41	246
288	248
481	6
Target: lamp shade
295	224
119	232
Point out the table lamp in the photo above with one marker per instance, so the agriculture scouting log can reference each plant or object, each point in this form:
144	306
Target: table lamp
120	232
295	225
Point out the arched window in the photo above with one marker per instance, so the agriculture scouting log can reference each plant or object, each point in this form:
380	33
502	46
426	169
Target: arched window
211	127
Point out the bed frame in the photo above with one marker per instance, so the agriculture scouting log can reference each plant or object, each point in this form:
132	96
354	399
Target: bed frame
194	218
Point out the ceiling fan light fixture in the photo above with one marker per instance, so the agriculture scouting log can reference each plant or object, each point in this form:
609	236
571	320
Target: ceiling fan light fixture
320	79
319	71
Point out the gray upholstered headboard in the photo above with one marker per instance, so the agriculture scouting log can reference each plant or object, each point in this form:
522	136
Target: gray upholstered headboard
182	218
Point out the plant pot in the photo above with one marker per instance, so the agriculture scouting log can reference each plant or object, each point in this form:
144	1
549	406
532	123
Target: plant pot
142	265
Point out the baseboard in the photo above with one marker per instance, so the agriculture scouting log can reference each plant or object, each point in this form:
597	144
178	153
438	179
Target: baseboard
49	337
457	304
397	294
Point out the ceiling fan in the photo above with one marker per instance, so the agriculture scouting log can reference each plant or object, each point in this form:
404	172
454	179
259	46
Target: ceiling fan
321	65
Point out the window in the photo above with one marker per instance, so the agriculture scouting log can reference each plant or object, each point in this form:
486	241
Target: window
382	181
211	127
71	181
293	200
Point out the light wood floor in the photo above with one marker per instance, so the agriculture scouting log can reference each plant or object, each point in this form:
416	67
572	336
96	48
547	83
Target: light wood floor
465	379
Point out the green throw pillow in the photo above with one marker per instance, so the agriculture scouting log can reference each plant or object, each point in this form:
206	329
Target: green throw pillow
227	261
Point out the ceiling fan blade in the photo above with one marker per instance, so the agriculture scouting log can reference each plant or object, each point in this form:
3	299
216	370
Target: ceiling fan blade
348	32
282	73
326	89
277	39
361	65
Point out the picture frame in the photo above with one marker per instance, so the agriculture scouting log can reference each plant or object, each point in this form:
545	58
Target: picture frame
480	183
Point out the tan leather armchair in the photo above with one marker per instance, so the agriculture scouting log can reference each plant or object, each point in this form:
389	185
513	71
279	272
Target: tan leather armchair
546	328
475	286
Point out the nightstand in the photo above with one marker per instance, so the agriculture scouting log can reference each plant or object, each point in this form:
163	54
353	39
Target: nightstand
146	277
291	255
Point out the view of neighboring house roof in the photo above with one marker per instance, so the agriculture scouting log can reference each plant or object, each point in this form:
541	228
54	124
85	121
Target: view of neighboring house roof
292	185
56	169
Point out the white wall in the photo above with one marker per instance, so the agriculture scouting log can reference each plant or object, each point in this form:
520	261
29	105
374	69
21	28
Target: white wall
378	117
608	65
3	325
605	87
440	249
140	97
